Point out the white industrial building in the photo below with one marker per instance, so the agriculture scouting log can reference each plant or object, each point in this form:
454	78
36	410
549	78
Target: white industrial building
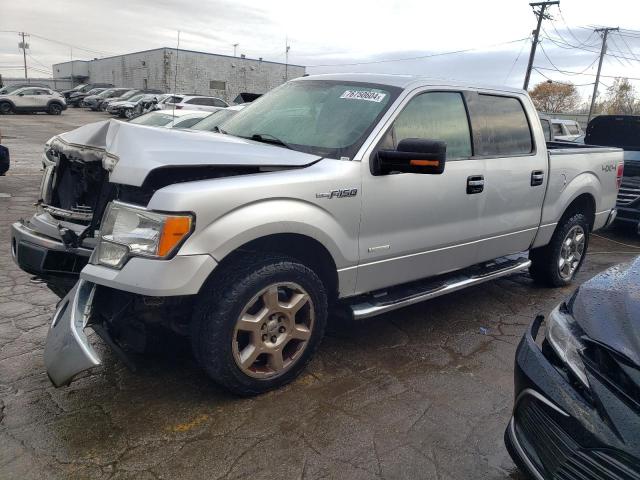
197	72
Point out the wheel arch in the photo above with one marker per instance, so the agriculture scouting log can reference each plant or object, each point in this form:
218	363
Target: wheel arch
6	100
309	251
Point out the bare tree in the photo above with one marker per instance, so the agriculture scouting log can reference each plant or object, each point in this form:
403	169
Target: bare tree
621	98
553	97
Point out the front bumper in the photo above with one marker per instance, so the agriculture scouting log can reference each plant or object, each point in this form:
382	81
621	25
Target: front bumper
68	351
45	256
181	275
555	432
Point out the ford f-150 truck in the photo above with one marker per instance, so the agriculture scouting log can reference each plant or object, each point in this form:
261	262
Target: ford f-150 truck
363	193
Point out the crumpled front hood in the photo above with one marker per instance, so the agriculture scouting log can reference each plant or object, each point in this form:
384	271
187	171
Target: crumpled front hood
140	149
607	307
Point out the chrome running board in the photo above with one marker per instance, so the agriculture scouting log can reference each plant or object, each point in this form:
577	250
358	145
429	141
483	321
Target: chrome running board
377	303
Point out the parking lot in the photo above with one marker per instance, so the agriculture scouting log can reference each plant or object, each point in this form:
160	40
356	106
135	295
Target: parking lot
424	392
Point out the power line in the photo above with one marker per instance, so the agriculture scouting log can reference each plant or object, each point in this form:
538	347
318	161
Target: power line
561	83
588	74
516	60
418	57
569	46
555	67
584	42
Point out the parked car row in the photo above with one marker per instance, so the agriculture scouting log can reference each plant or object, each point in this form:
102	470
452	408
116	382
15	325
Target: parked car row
129	103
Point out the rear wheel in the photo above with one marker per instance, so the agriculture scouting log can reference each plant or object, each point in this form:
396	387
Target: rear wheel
257	325
5	108
557	263
54	109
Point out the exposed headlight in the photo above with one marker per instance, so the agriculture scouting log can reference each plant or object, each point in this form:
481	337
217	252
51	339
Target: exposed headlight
127	230
563	334
49	154
109	162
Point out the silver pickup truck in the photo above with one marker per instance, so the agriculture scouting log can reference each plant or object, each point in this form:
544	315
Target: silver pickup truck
363	193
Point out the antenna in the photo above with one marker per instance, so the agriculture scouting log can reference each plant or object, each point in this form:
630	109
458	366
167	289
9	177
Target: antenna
175	81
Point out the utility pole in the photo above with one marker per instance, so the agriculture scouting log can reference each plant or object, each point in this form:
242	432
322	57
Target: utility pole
235	48
286	59
24	45
603	50
541	15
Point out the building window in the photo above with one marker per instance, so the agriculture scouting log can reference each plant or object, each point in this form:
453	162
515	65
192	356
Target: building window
144	83
217	85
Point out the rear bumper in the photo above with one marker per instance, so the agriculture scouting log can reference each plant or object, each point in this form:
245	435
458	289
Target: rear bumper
68	351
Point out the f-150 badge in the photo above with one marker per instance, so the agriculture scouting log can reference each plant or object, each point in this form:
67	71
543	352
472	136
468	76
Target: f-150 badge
346	192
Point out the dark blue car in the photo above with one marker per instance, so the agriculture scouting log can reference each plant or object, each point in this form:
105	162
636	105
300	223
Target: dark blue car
577	384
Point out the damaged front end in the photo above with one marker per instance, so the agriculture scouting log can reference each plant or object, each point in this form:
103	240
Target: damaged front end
127	323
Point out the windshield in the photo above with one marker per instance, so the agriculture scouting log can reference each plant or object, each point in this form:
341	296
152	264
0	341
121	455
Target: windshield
153	119
128	95
135	98
323	117
79	87
214	120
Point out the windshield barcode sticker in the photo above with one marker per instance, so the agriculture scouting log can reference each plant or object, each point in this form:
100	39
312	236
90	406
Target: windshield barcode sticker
364	95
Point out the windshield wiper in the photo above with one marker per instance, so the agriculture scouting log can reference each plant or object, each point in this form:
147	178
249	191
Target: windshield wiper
217	129
268	138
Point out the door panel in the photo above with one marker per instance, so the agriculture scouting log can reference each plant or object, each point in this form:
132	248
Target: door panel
416	225
511	204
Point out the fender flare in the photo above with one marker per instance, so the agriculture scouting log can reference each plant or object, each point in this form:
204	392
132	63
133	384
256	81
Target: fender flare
238	227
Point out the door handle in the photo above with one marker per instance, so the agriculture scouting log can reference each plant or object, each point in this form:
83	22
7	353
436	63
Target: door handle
475	184
537	178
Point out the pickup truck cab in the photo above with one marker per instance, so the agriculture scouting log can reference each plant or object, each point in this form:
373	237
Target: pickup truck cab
364	192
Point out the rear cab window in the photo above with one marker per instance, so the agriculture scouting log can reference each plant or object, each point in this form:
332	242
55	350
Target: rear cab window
500	126
546	128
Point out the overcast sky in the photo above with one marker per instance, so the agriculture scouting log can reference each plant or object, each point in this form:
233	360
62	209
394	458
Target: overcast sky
330	32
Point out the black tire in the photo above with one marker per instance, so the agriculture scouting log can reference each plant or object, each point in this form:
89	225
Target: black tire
220	304
128	113
545	266
54	109
102	107
5	108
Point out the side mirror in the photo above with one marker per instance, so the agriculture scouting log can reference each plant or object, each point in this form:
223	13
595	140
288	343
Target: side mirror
413	155
21	94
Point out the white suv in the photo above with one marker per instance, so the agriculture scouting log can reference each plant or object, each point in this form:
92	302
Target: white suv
195	102
33	99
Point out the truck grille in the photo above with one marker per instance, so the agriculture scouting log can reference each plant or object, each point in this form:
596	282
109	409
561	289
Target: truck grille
558	456
629	191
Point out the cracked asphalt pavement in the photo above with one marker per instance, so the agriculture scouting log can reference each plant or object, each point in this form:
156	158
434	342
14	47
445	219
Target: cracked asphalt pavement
424	392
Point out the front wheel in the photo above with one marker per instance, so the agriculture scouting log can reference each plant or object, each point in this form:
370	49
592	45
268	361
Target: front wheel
557	263
257	325
128	113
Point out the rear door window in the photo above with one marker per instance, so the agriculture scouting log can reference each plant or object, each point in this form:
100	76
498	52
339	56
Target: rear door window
500	126
557	129
434	116
573	129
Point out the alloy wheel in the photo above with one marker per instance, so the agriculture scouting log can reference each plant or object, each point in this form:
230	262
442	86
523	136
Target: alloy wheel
571	252
273	330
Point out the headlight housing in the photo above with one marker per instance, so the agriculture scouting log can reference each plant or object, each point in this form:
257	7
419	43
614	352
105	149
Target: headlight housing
563	334
128	230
